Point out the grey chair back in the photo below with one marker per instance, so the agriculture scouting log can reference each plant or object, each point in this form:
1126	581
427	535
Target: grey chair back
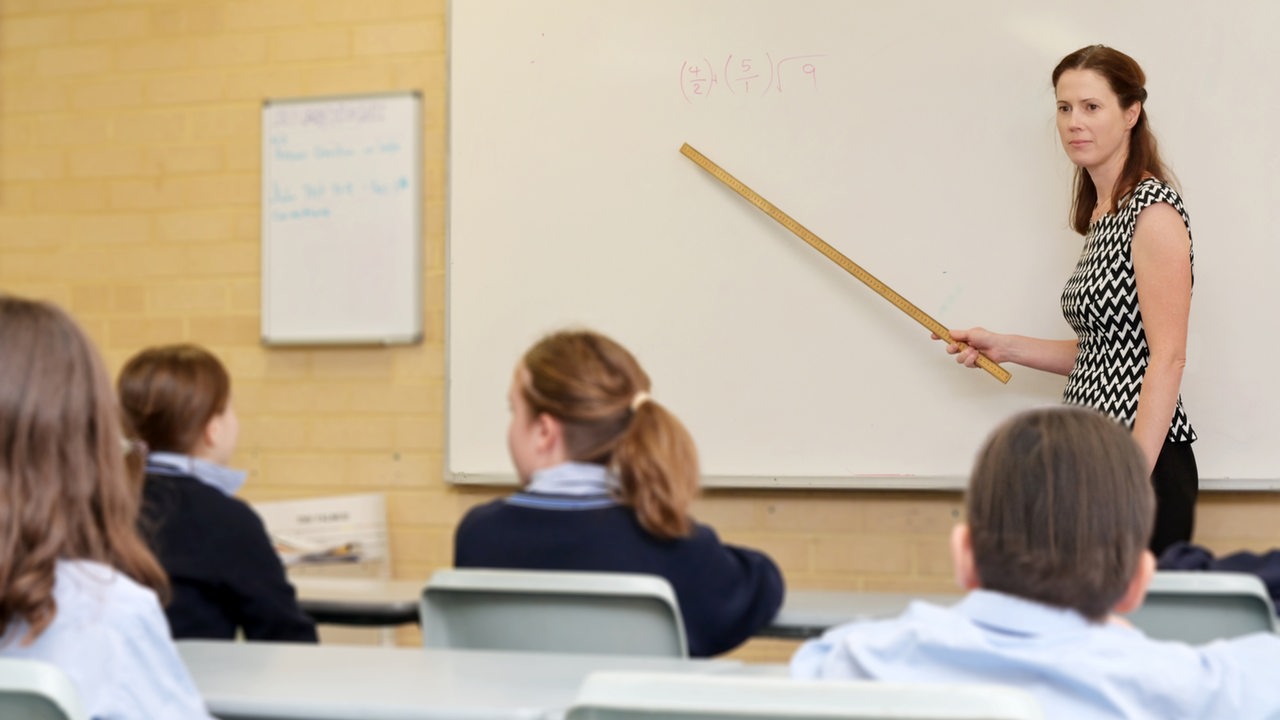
1200	606
552	611
692	696
35	690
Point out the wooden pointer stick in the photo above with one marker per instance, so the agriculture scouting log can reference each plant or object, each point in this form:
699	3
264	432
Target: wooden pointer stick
836	257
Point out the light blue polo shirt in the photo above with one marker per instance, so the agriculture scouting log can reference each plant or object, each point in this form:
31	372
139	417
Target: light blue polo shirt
1077	669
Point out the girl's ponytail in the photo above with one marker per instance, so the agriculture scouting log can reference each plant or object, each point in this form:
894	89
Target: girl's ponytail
657	463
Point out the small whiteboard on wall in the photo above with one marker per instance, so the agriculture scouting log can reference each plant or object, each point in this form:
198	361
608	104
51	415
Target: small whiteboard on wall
342	220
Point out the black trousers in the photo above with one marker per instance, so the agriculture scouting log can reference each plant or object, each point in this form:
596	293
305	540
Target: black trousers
1177	482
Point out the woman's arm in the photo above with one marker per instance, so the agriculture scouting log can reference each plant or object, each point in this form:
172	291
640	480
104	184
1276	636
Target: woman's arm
1162	269
1054	356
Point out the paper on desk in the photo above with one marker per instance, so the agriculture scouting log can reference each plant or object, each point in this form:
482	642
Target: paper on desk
338	529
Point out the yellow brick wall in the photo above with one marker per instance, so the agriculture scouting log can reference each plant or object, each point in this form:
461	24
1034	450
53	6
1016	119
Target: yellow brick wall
129	160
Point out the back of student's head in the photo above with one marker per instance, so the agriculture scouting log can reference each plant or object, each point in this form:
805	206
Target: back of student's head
171	392
64	489
599	393
1060	509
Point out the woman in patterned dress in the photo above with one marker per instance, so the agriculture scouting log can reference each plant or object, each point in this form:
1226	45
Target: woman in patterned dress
1129	298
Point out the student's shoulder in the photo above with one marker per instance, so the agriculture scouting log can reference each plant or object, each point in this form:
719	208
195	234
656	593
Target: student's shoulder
704	548
212	502
923	621
543	505
92	589
706	538
183	489
485	509
832	654
481	515
188	507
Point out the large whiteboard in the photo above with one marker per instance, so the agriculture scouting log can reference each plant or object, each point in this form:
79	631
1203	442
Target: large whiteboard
341	220
916	137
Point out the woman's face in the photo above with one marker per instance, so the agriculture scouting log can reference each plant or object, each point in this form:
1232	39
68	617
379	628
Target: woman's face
1093	127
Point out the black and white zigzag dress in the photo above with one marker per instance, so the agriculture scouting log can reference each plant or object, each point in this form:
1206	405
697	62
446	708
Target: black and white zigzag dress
1100	302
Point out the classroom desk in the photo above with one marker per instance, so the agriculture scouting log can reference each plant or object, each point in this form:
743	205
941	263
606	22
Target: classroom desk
285	681
804	613
808	613
359	601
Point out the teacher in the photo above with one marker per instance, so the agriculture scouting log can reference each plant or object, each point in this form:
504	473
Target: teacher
1129	298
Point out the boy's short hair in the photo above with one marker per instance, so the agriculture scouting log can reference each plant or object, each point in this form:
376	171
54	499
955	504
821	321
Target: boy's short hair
1060	509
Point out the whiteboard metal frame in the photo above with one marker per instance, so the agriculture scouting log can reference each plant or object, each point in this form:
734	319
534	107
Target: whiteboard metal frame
933	483
447	471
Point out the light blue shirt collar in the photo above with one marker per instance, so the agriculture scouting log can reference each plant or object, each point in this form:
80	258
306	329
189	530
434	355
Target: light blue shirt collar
573	478
1012	615
228	480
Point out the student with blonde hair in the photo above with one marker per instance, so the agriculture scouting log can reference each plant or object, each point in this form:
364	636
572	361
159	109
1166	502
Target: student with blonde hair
1059	509
607	475
77	584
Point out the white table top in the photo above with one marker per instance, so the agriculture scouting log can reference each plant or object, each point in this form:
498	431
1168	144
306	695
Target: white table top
357	589
343	682
804	613
808	613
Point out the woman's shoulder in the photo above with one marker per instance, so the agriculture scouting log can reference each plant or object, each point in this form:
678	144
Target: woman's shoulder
1151	190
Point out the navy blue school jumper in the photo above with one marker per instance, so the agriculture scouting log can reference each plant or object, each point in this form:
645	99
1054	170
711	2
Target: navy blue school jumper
1266	565
222	568
726	593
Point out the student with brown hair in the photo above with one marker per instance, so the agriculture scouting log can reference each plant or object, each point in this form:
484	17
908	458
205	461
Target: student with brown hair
225	574
607	475
77	584
1059	508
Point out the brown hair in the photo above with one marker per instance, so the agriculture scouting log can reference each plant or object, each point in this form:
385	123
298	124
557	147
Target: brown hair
589	382
64	491
1128	82
1060	509
170	393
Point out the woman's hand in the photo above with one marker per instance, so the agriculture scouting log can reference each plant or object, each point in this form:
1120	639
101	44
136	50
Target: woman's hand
967	344
1054	356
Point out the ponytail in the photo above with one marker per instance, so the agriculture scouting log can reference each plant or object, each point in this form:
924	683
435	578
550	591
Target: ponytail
657	464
